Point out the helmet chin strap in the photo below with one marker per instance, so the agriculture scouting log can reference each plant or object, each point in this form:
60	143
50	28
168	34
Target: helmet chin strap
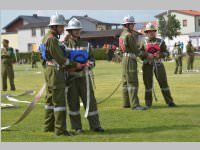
128	27
58	35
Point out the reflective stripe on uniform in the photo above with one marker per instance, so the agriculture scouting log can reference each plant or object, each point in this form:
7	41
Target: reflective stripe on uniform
66	91
148	90
59	109
125	88
161	42
92	113
131	55
48	107
132	88
165	89
74	113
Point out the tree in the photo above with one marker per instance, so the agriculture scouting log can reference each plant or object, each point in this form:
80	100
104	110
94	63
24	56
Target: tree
169	28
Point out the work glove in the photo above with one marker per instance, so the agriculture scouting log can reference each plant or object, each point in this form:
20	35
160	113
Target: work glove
156	55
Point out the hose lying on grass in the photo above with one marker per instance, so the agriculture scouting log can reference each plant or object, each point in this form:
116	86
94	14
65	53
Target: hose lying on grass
28	109
22	94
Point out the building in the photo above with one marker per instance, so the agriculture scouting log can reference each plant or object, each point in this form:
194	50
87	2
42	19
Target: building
105	37
27	31
195	38
189	19
140	26
91	24
22	20
12	37
190	23
10	31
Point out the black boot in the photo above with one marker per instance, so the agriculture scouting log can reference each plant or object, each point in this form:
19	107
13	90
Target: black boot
99	129
65	133
127	106
172	105
79	131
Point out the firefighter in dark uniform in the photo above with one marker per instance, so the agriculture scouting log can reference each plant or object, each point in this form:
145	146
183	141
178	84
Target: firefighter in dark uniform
79	82
178	55
128	46
7	56
152	51
190	52
34	60
54	64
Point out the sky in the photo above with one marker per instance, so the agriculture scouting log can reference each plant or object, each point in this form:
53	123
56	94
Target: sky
110	16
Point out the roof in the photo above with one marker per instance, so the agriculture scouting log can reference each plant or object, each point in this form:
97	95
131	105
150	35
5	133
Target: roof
29	19
85	17
35	25
104	33
187	12
35	21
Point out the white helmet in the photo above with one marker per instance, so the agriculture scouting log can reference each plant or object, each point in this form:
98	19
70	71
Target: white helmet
150	27
74	24
128	19
57	20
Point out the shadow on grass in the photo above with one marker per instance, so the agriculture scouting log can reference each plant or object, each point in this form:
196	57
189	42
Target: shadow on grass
178	106
149	129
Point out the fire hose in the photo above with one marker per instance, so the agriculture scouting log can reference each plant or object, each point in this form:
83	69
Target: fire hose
28	109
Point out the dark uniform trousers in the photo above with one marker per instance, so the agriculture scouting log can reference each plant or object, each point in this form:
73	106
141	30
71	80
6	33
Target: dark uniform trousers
77	89
190	62
130	82
161	77
7	71
178	65
55	116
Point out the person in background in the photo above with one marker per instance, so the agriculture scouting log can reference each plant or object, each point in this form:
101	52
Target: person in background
34	59
7	71
190	52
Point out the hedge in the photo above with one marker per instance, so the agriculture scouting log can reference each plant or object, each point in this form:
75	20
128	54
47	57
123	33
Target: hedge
27	56
99	54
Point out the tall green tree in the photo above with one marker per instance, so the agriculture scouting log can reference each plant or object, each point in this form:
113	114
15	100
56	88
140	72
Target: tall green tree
169	27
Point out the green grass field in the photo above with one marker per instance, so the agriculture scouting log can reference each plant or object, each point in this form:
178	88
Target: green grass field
157	124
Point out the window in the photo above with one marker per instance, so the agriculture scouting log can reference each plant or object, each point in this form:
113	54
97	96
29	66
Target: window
199	22
33	32
184	23
42	31
31	47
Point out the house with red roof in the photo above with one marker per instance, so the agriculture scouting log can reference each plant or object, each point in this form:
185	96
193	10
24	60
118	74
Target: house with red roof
189	19
190	25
